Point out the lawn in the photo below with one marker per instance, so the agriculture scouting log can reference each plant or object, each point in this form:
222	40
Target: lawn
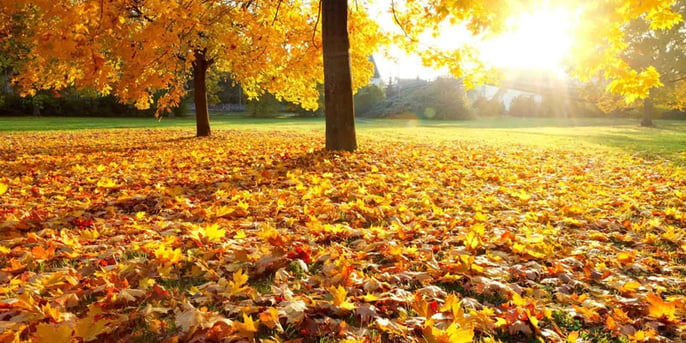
667	141
492	230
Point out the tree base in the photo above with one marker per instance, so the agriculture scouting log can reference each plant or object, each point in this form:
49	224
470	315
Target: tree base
647	123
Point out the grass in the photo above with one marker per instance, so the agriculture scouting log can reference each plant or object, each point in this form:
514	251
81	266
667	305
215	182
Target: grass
666	141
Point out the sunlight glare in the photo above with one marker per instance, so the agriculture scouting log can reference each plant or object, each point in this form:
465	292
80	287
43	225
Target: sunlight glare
538	40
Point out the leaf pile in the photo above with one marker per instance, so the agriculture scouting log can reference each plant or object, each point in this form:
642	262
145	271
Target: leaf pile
145	235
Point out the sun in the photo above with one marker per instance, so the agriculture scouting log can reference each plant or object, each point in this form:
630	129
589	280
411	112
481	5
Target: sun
538	40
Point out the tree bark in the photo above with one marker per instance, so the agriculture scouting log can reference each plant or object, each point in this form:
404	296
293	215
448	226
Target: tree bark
202	113
648	109
338	93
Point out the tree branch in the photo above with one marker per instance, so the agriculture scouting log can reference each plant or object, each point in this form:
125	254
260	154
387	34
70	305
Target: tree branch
314	31
278	6
397	21
681	78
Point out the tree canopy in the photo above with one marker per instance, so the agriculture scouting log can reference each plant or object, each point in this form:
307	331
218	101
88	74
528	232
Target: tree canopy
146	51
604	36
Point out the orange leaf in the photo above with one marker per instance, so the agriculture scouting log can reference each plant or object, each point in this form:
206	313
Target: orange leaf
626	257
659	308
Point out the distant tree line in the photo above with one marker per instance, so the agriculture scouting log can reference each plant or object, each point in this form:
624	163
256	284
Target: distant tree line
441	99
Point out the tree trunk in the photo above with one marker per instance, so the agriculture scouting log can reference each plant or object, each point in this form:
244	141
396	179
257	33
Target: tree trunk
8	85
202	113
338	92
647	120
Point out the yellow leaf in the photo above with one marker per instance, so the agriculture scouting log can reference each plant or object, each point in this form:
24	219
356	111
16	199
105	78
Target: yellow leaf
421	306
472	241
106	183
340	298
480	217
223	211
214	233
240	234
626	257
53	333
247	328
89	328
58	279
3	188
460	334
53	313
453	305
243	205
369	298
167	255
237	285
453	334
641	335
572	337
630	287
146	283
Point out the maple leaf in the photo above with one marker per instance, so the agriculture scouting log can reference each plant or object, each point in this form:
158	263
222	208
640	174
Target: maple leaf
90	327
192	319
453	305
247	328
340	297
213	233
270	318
53	333
130	294
40	253
53	313
453	334
52	280
642	335
168	255
14	266
237	285
3	188
659	308
630	287
106	183
293	310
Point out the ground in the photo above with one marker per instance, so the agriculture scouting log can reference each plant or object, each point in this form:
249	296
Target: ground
437	232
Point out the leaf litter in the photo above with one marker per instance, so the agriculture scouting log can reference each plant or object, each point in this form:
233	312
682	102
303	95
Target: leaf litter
146	235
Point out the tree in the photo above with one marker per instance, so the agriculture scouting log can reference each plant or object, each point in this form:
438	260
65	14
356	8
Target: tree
666	51
340	111
607	48
146	52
